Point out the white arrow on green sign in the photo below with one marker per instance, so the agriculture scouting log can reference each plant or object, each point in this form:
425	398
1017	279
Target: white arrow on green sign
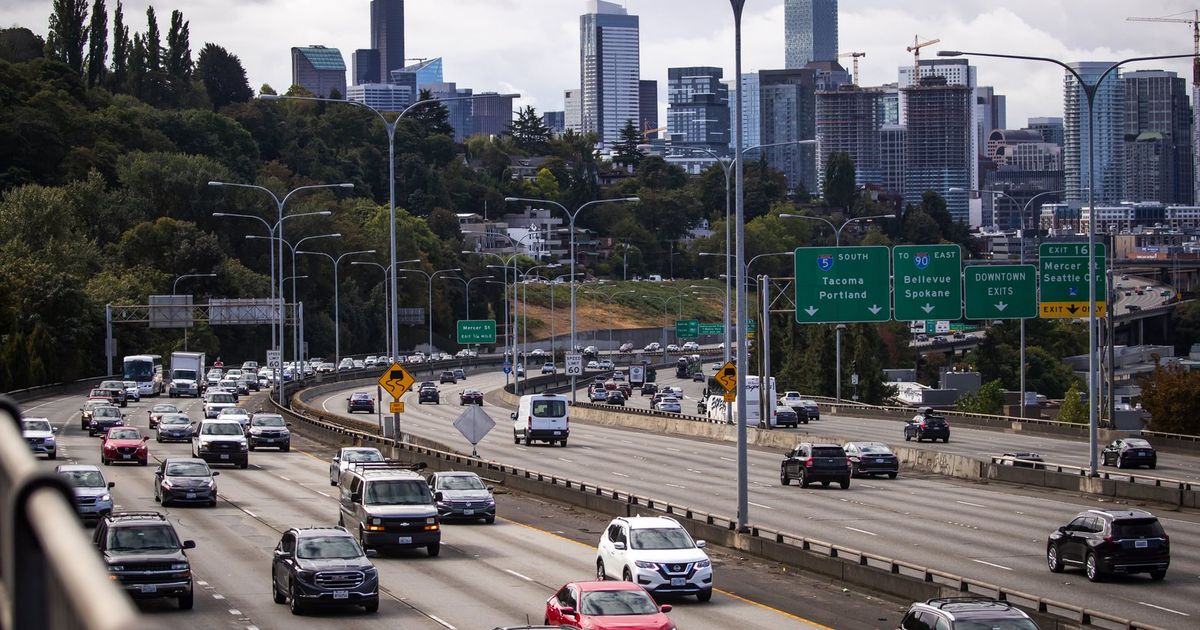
1001	291
842	285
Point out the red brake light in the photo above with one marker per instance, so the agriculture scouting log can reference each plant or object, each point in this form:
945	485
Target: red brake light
922	424
1108	539
808	463
529	422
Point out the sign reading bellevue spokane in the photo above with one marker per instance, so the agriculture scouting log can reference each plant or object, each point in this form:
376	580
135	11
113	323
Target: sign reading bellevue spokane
928	281
842	285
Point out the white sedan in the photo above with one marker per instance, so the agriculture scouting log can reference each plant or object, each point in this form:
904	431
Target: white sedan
791	399
672	348
669	404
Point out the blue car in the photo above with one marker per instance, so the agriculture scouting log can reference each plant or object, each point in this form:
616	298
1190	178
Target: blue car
92	497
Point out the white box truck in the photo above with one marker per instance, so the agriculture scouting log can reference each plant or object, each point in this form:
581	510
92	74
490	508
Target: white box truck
753	402
187	374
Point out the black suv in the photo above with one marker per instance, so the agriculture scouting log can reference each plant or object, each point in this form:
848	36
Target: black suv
429	394
927	425
1111	541
966	612
815	462
144	556
323	566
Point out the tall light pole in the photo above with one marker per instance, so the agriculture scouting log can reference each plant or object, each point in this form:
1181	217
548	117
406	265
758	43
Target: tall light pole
571	216
337	321
1089	90
467	289
387	341
296	349
175	285
837	242
429	278
277	232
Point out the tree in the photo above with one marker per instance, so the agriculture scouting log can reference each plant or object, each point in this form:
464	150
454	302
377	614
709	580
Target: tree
546	184
1074	406
1185	326
223	76
529	133
152	40
626	151
68	35
18	45
1172	396
121	50
98	45
432	117
179	50
839	185
988	399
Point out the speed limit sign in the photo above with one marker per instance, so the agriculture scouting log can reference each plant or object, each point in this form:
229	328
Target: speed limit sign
574	364
273	358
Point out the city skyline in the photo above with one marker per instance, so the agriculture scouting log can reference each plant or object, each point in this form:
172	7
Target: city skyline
486	55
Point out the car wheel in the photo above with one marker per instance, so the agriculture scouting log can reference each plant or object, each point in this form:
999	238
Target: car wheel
372	606
1158	574
891	475
276	594
562	443
157	498
285	448
1053	562
845	483
244	465
704	595
296	607
185	601
1120	462
434	549
528	441
946	440
626	575
1092	568
250	446
158	438
143	462
54	455
516	438
824	484
854	470
804	482
105	461
784	479
601	574
907	437
1150	466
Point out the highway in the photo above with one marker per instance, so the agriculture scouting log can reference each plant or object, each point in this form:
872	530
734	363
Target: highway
992	533
486	575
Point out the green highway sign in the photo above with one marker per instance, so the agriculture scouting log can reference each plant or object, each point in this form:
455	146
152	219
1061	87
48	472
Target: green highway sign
1064	280
842	285
1001	291
687	328
928	281
712	329
473	331
752	325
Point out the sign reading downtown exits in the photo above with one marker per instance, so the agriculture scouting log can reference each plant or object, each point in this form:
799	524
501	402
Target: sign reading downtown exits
842	285
1064	278
928	281
1001	291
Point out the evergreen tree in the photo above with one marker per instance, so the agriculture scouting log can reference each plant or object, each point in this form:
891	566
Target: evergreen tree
179	50
152	41
97	45
839	185
120	51
223	76
432	116
68	35
529	132
626	152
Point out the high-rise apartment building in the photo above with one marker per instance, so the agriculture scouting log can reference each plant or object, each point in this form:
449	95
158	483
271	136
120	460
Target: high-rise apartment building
1051	128
810	31
1027	169
698	108
555	122
1158	138
938	146
849	120
319	70
648	107
751	110
787	103
387	35
365	66
491	114
573	110
1108	133
609	70
956	72
892	146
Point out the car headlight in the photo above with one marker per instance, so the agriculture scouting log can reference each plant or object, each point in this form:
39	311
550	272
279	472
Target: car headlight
491	501
116	567
642	564
105	497
167	485
179	566
704	564
245	447
431	520
370	571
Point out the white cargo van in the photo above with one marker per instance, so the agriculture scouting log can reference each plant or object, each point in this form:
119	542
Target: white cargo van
541	417
753	397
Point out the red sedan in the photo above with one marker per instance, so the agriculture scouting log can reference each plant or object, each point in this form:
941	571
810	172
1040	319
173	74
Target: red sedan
124	444
606	605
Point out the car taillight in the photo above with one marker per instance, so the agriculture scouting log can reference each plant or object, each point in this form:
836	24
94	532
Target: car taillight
529	422
808	463
848	461
1108	539
922	425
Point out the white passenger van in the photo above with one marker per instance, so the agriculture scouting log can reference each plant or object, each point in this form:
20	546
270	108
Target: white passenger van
541	417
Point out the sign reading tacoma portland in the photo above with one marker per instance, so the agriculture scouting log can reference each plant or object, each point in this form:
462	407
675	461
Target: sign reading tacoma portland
842	285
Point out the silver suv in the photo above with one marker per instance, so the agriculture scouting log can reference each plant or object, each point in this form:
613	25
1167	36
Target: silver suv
389	505
966	613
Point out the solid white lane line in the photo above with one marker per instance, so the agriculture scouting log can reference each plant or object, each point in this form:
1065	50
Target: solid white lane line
523	577
218	596
674	450
728	459
990	564
235	612
444	624
252	514
201	582
861	531
765	507
620	474
324	495
284	478
675	485
564	459
1165	609
971	504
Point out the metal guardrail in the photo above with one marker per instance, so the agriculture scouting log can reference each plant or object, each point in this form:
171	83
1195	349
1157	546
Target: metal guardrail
40	391
1082	471
50	573
1074	613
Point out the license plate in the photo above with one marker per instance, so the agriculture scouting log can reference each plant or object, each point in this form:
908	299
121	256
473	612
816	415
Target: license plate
149	588
191	495
224	455
1141	544
468	512
266	440
558	433
678	581
341	594
405	540
126	456
879	461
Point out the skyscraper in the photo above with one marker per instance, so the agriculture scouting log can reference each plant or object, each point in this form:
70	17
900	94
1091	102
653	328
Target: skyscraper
751	110
365	65
387	35
810	31
319	70
555	122
698	108
787	103
572	111
491	114
648	107
938	145
849	121
956	72
427	72
1025	166
1158	138
1108	155
609	70
1050	127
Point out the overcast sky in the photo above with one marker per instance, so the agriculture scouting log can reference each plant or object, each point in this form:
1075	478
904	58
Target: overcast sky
532	46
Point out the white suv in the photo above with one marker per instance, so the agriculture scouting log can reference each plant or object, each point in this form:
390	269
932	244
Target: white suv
656	553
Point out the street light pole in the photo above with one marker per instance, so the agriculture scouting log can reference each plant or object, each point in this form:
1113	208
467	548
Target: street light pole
337	321
175	285
387	340
296	354
429	277
1089	91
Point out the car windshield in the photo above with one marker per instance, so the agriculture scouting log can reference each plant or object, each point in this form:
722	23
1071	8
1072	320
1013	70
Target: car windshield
129	384
460	482
112	385
35	425
874	447
83	478
1138	528
371	455
328	548
141	538
1136	443
221	428
549	408
175	419
124	434
164	409
397	492
184	375
188	469
234	411
613	603
220	398
828	451
995	624
661	538
111	412
267	421
361	397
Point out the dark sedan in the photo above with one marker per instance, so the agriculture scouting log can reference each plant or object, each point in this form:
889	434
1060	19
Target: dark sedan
1129	452
185	480
872	458
360	401
429	394
615	397
174	427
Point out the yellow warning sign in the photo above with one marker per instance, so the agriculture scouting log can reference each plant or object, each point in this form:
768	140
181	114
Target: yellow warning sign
396	380
727	376
730	397
1068	310
396	407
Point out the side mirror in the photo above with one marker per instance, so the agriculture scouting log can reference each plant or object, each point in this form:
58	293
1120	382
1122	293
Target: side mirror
438	496
371	553
666	608
112	484
700	544
1062	529
567	611
216	473
619	546
356	497
54	430
279	553
513	415
491	489
145	438
289	424
189	544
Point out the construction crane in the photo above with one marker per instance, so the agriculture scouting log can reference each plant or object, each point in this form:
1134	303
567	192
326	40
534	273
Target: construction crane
915	49
1194	21
856	55
648	130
